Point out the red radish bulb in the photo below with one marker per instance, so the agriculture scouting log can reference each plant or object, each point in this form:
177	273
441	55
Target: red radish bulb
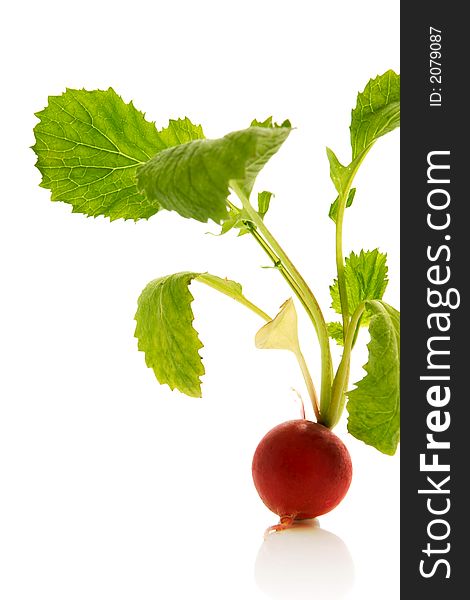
301	469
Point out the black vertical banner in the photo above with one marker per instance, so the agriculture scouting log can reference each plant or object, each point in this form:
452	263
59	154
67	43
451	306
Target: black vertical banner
435	329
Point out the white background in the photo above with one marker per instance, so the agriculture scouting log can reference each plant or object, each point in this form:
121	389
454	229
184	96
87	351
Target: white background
111	486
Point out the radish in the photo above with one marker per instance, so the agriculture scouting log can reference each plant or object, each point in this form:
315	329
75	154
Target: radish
301	470
90	160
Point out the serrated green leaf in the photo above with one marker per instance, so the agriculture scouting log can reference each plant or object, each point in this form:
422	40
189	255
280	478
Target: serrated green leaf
194	179
366	279
377	111
335	331
165	329
89	145
374	406
268	122
166	334
334	207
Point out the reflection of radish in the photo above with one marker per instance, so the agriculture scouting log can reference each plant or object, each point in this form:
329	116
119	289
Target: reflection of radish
301	470
305	563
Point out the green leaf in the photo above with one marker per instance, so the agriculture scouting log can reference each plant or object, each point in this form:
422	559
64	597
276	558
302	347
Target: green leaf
374	406
165	329
366	279
334	207
341	177
335	331
242	219
166	333
222	284
236	219
264	199
269	123
232	289
194	179
89	145
338	172
377	111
